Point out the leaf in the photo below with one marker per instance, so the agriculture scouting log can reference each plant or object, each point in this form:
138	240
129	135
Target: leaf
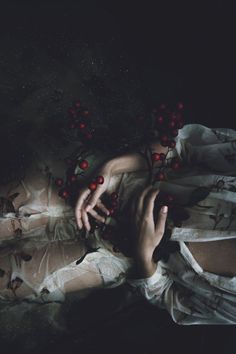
18	232
17	282
44	291
13	196
26	257
14	284
6	206
90	250
198	194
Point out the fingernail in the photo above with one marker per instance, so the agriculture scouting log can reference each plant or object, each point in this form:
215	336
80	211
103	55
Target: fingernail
164	209
88	207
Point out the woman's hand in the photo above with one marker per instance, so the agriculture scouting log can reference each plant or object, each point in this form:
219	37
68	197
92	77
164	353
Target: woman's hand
148	234
88	200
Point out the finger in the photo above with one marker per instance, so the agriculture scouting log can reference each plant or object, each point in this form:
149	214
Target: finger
102	207
150	199
161	220
82	197
85	220
93	198
96	215
142	197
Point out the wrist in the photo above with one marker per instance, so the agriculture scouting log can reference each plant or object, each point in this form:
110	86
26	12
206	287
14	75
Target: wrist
144	268
126	163
109	167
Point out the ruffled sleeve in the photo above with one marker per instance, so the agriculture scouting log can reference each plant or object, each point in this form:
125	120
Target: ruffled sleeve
214	149
184	306
152	288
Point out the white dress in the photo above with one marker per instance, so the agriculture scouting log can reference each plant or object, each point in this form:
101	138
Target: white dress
191	295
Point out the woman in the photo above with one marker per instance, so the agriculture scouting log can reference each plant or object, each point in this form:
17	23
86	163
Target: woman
191	283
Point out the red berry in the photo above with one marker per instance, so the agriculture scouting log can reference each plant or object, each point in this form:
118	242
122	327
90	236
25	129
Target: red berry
164	138
59	182
111	211
82	125
174	133
156	157
160	176
64	193
169	199
77	104
162	106
162	156
175	164
100	179
114	196
179	116
88	136
160	120
180	124
85	113
174	116
93	186
72	178
163	143
172	144
180	105
83	164
172	124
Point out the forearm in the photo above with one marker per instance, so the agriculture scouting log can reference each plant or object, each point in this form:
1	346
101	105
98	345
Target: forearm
133	161
144	268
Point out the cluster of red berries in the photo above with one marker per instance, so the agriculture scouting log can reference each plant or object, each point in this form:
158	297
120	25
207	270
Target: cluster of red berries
166	125
67	186
167	122
97	180
112	203
79	118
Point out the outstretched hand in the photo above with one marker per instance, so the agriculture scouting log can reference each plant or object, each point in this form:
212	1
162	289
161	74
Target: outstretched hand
88	200
148	233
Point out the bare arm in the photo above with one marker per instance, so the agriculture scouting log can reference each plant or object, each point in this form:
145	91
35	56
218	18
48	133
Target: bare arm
133	161
87	199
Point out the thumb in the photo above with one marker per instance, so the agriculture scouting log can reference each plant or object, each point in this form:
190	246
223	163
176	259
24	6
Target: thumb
161	220
93	199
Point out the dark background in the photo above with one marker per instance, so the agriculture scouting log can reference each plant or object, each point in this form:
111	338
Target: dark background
119	58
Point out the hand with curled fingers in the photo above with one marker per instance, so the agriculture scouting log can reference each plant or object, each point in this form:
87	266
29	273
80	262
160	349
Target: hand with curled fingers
88	200
148	233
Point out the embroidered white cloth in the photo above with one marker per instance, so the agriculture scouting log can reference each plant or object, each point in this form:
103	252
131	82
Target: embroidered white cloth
191	295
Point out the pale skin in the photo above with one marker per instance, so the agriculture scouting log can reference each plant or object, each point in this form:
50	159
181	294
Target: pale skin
207	254
148	234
